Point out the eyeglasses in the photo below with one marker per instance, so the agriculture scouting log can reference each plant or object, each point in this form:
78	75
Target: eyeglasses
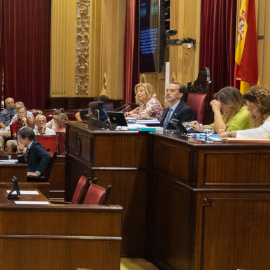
41	121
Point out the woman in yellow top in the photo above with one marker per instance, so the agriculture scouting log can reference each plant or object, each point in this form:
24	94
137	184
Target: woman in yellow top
230	112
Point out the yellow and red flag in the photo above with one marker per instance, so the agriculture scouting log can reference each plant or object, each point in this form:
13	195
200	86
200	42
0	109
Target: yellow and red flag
246	71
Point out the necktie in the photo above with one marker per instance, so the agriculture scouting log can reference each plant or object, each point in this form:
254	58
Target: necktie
25	155
167	119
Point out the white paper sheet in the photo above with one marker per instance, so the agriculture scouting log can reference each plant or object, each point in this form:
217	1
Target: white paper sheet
26	192
31	202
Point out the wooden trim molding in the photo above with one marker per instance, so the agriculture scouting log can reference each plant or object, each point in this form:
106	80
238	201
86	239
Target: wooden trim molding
82	47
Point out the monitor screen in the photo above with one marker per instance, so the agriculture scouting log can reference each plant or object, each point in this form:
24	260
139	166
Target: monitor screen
117	118
152	35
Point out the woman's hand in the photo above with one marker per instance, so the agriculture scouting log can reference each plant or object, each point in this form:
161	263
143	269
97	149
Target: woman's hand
194	123
215	105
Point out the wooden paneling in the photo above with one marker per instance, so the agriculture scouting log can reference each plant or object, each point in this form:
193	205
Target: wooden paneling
129	191
235	167
220	220
233	231
57	179
114	150
171	230
8	170
171	157
58	236
118	159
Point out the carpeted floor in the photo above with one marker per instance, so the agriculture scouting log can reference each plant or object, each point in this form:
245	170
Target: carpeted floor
136	264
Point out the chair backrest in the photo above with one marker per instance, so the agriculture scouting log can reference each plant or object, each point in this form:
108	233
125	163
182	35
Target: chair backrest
48	141
97	195
199	95
197	103
49	168
46	175
81	189
61	142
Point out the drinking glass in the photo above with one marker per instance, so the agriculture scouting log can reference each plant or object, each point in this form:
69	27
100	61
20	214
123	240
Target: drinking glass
208	130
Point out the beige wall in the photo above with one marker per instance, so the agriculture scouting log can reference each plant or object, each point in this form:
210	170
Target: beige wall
107	25
106	43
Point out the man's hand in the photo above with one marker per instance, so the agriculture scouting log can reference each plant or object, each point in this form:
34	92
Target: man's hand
24	121
6	133
32	174
20	148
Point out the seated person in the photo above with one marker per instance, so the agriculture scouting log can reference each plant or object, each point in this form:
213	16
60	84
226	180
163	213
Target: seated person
41	126
36	156
18	105
51	123
230	112
103	116
60	123
149	107
258	104
31	122
176	93
15	126
5	116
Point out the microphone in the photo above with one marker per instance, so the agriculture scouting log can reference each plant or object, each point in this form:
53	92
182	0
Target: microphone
97	113
123	107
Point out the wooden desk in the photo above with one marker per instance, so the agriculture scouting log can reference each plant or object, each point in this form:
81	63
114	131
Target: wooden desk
118	159
209	205
8	170
58	236
200	206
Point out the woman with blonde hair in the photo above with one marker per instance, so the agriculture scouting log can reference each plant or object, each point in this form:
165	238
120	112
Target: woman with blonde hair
60	123
149	107
230	112
258	104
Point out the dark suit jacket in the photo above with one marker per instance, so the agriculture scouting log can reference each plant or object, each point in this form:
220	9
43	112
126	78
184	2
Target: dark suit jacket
37	158
182	112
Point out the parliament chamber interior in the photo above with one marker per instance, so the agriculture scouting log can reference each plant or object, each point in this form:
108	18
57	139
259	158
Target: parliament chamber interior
146	167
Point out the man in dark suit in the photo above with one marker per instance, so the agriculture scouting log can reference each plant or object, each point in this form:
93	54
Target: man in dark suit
36	156
176	95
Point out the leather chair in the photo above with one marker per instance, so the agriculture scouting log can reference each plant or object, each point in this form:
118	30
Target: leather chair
46	175
61	142
48	141
199	96
81	189
97	195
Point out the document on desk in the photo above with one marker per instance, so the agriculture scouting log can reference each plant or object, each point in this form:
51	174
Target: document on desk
25	192
148	122
31	202
9	161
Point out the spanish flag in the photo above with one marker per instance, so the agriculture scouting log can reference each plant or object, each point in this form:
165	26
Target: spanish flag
246	55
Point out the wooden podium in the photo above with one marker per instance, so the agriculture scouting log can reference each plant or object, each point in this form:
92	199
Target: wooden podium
187	204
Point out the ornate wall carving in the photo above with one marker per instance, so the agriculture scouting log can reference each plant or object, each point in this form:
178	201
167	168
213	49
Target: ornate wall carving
82	47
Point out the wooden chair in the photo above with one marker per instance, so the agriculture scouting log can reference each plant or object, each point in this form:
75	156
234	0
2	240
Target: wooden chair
97	195
48	141
199	96
46	175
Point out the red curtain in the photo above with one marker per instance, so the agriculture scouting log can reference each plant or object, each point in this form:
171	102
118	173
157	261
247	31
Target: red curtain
131	66
217	41
26	36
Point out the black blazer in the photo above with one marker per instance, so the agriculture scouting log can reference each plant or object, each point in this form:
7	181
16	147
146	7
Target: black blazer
182	112
37	158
